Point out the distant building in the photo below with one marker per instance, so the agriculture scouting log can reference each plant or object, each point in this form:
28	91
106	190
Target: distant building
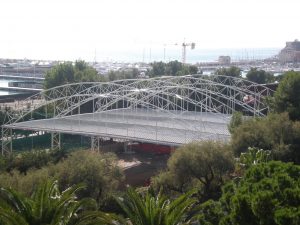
291	52
224	60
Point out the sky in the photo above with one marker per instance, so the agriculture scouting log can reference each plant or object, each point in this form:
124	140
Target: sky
118	29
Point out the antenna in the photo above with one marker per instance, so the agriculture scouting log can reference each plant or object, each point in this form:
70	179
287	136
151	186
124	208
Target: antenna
95	57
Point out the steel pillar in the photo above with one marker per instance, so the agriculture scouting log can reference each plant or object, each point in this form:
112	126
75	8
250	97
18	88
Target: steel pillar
95	143
7	139
55	141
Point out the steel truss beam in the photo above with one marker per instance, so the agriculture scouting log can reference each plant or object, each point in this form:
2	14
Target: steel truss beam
198	93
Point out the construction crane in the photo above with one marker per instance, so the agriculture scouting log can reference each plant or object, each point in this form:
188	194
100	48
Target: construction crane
184	45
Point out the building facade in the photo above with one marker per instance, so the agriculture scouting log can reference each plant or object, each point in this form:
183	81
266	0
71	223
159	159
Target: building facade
290	53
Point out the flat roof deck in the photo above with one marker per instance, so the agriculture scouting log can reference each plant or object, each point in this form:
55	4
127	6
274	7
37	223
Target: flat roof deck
145	125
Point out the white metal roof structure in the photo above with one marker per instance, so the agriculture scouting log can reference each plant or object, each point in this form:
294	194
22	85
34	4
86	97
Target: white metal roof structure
164	110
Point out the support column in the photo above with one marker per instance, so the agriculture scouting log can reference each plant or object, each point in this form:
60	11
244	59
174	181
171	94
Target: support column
95	143
7	139
127	147
55	141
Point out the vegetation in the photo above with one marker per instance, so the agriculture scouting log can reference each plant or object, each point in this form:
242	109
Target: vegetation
204	165
123	74
260	76
232	71
30	159
287	95
275	132
99	173
173	68
269	193
68	73
204	183
236	120
48	205
156	210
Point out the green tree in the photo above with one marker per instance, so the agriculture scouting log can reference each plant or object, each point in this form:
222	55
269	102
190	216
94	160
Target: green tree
173	68
269	193
193	69
275	132
123	74
156	210
48	205
158	69
236	120
209	213
232	71
68	73
99	172
260	76
287	95
204	165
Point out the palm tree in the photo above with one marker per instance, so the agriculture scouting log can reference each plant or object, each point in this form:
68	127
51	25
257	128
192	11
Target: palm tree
49	206
156	210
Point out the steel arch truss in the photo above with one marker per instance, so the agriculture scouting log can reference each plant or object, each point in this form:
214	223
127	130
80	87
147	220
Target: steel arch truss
174	97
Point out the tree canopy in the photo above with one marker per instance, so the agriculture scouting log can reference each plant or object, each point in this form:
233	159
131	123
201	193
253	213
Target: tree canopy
68	73
99	172
232	71
203	165
153	209
48	205
269	193
275	132
260	76
287	95
172	68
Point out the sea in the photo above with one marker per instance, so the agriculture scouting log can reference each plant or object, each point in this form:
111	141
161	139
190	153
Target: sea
169	54
192	56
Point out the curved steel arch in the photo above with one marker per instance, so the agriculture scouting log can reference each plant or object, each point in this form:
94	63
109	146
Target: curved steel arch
198	93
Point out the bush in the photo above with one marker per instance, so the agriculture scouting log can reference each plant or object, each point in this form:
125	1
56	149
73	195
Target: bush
204	165
99	172
287	95
263	194
275	132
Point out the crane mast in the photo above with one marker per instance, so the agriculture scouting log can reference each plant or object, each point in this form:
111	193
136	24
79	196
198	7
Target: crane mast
184	45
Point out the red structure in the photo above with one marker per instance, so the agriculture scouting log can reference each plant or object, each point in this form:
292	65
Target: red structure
152	148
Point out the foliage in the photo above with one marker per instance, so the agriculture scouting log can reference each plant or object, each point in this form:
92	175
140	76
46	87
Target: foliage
254	156
275	132
204	165
30	159
260	76
48	205
99	172
287	95
68	73
231	71
123	74
209	213
156	210
172	68
269	193
236	120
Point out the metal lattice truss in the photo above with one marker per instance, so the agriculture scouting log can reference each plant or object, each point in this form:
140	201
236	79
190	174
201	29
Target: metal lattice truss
166	110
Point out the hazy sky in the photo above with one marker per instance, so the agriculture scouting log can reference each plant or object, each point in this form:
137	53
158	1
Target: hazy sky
72	29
